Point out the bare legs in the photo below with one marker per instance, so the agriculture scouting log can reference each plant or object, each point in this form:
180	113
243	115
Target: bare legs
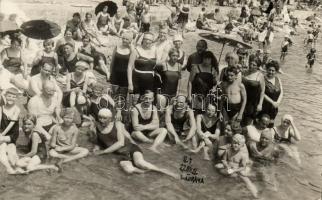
159	134
75	154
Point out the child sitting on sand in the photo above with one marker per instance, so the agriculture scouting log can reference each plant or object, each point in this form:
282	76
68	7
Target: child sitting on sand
64	140
235	161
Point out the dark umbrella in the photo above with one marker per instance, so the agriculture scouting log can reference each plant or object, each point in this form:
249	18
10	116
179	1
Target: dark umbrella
112	7
225	40
8	27
40	29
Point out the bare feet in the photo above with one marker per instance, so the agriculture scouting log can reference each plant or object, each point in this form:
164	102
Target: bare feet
59	165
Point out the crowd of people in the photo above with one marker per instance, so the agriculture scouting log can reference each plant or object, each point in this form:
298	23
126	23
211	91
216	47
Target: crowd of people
228	112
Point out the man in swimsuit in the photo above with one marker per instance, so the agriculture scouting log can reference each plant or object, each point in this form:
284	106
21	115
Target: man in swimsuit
236	94
145	122
175	118
196	58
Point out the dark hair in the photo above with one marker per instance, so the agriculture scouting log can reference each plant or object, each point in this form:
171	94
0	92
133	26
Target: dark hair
204	43
273	63
217	10
30	117
88	13
49	41
253	58
69	44
15	39
69	30
86	36
203	9
263	115
214	62
76	14
232	69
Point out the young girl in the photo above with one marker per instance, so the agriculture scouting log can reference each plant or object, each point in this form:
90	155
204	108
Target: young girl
287	42
113	138
47	55
64	140
77	83
103	18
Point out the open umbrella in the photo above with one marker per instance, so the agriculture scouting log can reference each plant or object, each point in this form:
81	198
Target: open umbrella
225	40
40	29
8	27
112	7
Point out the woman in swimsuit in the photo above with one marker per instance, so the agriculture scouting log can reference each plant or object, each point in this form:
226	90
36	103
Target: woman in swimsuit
59	49
285	134
117	24
99	59
170	77
254	83
273	91
208	130
201	81
47	55
12	59
119	65
112	137
141	66
103	18
89	27
287	42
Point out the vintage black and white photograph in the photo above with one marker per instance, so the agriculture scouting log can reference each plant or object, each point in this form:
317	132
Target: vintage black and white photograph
160	100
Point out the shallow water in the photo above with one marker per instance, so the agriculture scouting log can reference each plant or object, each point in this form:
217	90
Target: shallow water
101	177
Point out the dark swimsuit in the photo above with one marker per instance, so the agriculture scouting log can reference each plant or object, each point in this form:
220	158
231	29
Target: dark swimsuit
170	80
119	70
279	139
272	91
143	74
73	84
44	59
13	64
42	149
14	131
253	90
211	129
143	121
178	124
107	140
94	108
102	21
69	66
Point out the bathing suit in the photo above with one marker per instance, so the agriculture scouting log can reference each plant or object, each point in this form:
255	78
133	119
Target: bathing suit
272	91
280	139
14	131
170	80
178	124
106	140
233	109
143	121
119	69
69	66
253	91
44	59
143	74
103	20
183	17
145	27
212	128
13	63
41	149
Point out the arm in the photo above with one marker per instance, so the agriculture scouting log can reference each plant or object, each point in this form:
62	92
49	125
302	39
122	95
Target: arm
135	120
34	145
169	124
261	99
73	143
68	78
11	124
295	133
243	164
53	138
112	60
121	27
191	77
34	87
120	140
85	57
155	120
244	100
130	68
192	130
279	100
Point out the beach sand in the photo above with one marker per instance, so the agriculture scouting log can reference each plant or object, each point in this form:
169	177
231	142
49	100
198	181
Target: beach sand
99	177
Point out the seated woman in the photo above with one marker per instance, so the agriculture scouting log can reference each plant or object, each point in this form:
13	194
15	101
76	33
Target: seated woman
170	73
9	129
59	47
63	143
11	57
89	27
112	137
77	84
208	129
46	106
284	135
117	23
37	154
176	117
70	58
103	19
47	55
145	122
202	79
99	59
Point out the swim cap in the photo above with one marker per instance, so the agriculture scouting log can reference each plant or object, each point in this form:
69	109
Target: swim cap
177	38
240	138
104	112
81	100
287	117
128	35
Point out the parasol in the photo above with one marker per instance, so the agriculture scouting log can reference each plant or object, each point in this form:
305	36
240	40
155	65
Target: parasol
40	29
8	27
225	40
112	7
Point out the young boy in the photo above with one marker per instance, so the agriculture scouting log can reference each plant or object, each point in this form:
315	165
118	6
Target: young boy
64	140
310	58
235	92
235	161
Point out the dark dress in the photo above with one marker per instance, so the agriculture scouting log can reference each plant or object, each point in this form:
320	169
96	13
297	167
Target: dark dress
272	91
170	80
108	139
119	70
253	91
44	59
143	74
14	131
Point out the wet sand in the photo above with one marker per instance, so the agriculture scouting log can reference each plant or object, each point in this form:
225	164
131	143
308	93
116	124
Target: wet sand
101	178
